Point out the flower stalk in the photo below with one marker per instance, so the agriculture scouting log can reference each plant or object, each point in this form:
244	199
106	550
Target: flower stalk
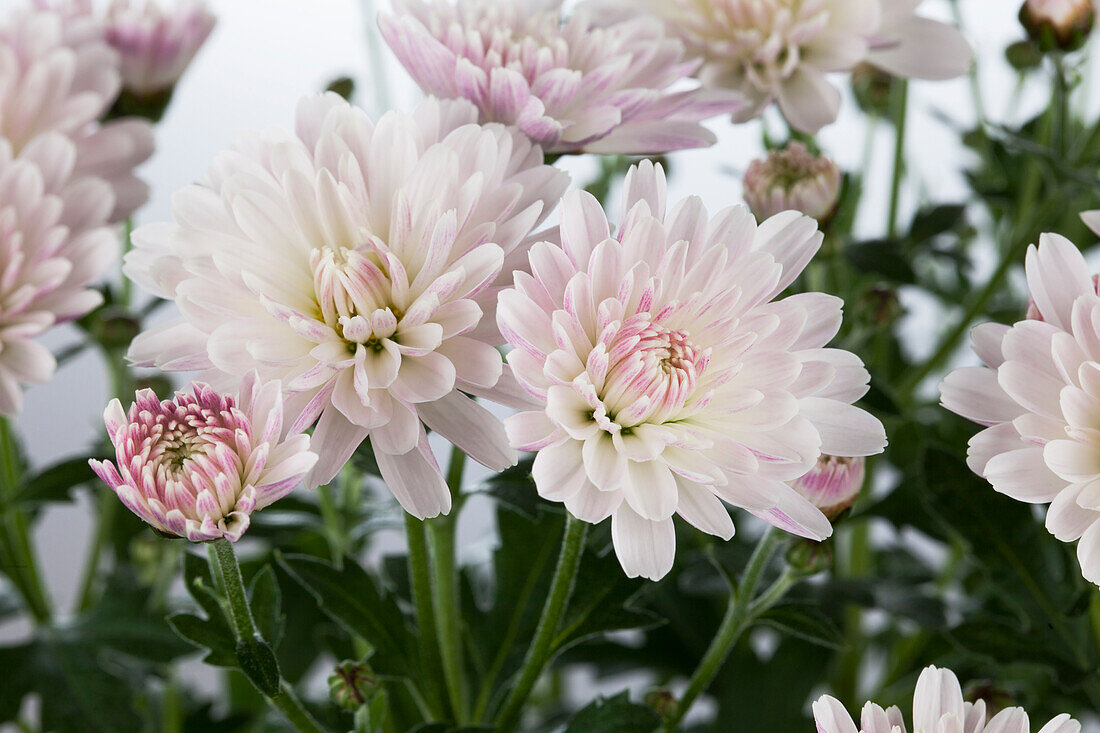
420	579
254	654
541	649
16	550
744	608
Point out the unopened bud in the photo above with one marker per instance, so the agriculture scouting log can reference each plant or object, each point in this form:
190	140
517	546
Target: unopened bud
793	178
1061	25
873	89
833	484
809	557
350	687
661	700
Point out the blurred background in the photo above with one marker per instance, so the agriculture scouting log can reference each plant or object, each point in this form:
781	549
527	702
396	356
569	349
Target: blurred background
265	54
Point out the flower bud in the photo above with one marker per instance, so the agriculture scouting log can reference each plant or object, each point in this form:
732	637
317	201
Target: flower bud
833	484
350	687
873	89
809	557
793	178
1058	24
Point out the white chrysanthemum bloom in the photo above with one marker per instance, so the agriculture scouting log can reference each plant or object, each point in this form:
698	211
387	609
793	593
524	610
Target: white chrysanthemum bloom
156	46
1039	397
54	242
781	50
938	707
568	83
671	379
358	263
197	466
793	178
58	75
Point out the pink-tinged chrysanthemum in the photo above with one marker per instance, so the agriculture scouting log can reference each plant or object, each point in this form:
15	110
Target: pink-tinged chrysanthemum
1039	397
833	484
358	263
54	242
197	466
58	75
566	82
938	707
781	50
671	379
155	46
793	178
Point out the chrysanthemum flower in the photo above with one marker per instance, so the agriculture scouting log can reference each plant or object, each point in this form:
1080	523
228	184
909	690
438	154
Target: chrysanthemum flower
781	50
355	262
156	46
1039	397
54	242
938	707
58	75
793	178
671	379
568	83
833	484
197	466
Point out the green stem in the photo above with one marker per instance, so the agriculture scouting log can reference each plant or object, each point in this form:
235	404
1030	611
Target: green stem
126	288
108	505
740	613
541	649
18	551
444	583
224	563
900	116
420	579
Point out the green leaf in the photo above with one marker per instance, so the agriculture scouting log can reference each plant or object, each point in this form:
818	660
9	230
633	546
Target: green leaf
515	488
266	602
880	257
353	599
614	715
15	661
258	663
804	622
215	638
56	483
935	220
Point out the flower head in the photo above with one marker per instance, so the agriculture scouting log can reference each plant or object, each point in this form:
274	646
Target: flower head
568	83
781	50
54	242
670	377
58	75
1060	24
156	46
1038	397
358	263
833	484
793	178
938	707
197	466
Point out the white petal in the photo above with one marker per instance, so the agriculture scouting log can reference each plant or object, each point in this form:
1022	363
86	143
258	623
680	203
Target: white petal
645	548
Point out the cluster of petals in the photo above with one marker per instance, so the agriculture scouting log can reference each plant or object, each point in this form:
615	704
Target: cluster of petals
793	178
197	466
671	378
569	82
58	75
357	262
781	50
1038	396
938	707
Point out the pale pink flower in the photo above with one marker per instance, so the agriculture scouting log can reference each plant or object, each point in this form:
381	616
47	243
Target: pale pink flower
58	75
1039	397
833	484
670	377
793	178
197	466
781	50
54	242
358	263
156	46
567	82
938	707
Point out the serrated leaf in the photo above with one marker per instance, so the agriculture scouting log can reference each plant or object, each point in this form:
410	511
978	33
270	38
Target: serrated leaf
614	715
266	602
351	598
804	622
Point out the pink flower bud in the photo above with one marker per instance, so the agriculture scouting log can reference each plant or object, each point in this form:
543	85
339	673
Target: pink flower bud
197	466
793	178
1058	24
833	484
